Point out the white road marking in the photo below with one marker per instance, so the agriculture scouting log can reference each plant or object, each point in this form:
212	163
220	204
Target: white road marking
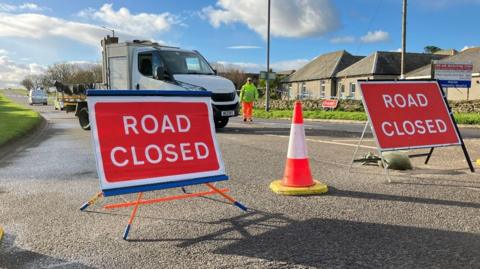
473	188
329	142
352	140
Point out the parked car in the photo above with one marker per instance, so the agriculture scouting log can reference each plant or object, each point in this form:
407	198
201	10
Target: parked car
37	96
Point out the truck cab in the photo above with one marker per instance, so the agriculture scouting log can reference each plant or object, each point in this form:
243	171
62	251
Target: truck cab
145	65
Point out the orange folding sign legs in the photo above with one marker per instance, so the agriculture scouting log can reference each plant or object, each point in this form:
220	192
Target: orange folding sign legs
164	199
132	216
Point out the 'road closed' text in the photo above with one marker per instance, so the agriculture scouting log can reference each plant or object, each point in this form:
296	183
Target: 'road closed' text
155	153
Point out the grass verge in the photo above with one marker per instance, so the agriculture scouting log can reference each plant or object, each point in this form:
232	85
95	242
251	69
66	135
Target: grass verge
22	92
15	120
461	118
315	114
467	118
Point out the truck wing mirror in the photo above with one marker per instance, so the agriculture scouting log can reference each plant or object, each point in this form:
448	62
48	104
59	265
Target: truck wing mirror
161	73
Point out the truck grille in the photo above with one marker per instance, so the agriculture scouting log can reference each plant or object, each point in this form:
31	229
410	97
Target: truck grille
225	107
223	97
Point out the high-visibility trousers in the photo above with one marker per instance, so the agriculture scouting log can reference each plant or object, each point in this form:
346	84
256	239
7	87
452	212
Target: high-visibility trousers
247	110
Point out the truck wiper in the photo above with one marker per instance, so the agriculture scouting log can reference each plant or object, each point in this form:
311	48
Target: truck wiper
199	73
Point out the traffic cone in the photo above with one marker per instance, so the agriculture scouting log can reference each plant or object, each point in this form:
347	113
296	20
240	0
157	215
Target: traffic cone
297	179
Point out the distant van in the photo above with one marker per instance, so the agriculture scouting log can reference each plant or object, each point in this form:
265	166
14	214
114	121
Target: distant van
37	96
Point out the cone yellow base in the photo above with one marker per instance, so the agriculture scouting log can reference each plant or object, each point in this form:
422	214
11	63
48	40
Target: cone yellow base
277	187
1	233
478	162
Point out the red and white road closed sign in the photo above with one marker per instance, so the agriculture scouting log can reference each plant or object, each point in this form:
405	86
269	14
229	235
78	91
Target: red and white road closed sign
330	103
143	140
406	115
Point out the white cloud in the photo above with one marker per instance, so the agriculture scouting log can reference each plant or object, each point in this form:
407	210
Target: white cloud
255	67
3	52
126	24
376	36
342	39
38	26
289	65
145	25
12	73
31	6
243	47
289	18
467	47
246	67
23	7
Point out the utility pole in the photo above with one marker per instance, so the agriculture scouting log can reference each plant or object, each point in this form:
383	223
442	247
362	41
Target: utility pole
267	85
404	38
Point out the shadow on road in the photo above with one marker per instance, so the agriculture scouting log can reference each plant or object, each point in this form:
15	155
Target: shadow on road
337	243
340	243
12	256
397	198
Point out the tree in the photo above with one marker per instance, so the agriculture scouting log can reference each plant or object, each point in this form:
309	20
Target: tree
65	73
275	87
27	83
236	75
431	49
74	73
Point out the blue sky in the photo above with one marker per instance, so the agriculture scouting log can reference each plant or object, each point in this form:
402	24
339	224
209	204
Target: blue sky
34	34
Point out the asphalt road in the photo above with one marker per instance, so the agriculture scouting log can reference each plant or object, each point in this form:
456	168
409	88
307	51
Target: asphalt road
426	218
338	128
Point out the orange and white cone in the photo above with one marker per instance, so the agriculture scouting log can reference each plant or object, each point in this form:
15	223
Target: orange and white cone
297	179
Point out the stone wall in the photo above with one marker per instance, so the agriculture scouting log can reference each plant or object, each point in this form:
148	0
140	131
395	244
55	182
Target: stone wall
472	106
343	105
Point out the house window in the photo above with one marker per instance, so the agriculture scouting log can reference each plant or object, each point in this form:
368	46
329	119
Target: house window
303	91
341	90
322	89
352	90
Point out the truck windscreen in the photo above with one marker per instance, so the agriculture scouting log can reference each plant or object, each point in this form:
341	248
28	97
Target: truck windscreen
178	62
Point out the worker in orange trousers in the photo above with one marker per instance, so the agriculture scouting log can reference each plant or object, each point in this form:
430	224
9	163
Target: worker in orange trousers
248	95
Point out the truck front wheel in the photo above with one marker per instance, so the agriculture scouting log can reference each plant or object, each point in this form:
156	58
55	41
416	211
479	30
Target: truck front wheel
83	119
221	122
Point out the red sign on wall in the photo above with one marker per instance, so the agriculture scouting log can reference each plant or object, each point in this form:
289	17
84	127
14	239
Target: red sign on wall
146	140
329	103
406	115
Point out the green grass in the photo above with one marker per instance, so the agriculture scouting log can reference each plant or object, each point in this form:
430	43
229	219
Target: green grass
15	120
315	114
15	91
461	118
468	118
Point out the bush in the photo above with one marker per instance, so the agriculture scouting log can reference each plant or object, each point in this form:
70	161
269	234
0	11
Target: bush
343	105
471	106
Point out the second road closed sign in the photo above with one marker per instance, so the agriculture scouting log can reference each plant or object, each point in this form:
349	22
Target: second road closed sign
408	114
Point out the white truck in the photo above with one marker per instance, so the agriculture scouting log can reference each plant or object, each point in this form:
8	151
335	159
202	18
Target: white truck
145	65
